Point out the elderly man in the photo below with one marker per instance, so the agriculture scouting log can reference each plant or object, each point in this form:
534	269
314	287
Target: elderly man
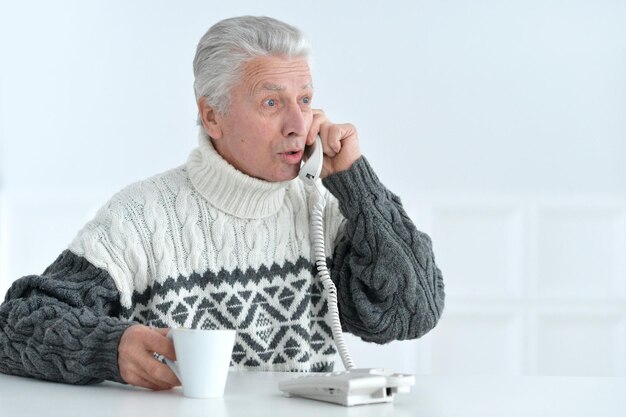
223	241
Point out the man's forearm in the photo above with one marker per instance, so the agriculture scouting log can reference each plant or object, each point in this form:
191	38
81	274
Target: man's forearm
389	286
58	327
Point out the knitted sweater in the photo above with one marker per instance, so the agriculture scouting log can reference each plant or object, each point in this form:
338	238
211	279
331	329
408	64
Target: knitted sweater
205	246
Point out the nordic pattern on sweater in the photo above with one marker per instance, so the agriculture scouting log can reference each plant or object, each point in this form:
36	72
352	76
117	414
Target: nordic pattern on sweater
157	253
181	260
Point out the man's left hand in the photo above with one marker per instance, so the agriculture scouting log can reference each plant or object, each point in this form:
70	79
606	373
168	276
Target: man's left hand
340	142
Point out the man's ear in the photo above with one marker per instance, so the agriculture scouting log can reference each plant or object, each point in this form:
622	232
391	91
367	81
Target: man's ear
210	119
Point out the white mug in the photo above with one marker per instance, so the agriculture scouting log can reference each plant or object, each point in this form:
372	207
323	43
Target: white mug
202	360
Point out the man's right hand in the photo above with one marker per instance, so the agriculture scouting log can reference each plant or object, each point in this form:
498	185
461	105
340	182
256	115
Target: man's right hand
137	363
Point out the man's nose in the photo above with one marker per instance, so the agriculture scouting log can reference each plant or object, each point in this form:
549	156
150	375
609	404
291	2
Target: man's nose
295	122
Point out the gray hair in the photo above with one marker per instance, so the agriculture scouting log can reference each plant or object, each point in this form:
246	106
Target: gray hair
226	47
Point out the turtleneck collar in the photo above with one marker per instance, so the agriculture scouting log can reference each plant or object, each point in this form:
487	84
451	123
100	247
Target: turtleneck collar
229	189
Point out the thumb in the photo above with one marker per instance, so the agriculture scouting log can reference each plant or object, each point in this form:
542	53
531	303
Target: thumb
163	331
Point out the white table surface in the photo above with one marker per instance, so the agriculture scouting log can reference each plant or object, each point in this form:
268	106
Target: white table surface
257	394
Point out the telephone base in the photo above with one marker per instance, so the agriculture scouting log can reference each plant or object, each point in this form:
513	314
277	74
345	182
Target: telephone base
348	388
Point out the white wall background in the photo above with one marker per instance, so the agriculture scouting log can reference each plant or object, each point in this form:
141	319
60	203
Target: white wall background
502	124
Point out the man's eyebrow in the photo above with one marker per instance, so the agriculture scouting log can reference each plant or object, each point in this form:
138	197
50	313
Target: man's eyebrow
273	87
278	87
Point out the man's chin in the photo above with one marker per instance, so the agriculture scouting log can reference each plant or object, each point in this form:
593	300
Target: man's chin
289	174
283	176
288	177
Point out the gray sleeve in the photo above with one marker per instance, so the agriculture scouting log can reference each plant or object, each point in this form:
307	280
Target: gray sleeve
60	325
388	284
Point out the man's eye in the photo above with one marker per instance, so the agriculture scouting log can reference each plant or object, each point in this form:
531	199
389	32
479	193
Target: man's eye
270	102
306	100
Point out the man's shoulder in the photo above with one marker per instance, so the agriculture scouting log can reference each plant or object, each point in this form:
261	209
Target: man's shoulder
155	188
119	215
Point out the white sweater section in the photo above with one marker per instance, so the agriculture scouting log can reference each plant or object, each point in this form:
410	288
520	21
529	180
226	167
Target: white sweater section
203	216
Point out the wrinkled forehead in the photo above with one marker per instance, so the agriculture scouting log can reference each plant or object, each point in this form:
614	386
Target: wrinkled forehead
277	74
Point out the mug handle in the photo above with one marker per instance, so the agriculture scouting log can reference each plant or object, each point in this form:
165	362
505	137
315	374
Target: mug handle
172	364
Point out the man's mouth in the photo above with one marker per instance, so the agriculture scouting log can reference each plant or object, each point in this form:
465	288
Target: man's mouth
292	156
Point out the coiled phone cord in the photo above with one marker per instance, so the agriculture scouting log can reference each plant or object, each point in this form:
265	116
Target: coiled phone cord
317	228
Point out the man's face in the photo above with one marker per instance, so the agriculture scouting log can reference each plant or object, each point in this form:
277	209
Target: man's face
265	127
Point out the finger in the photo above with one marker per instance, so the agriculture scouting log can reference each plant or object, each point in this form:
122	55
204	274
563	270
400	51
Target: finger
313	132
158	373
318	118
139	379
324	134
142	382
163	331
335	135
155	341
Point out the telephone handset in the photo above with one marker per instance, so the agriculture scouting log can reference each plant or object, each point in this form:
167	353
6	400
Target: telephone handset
354	386
312	167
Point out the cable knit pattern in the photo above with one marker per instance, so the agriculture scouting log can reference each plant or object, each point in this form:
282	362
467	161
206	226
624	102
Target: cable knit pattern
58	326
390	288
205	246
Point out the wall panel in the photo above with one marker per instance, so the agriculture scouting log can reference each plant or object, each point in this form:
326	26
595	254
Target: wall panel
534	284
481	249
579	252
477	343
578	344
